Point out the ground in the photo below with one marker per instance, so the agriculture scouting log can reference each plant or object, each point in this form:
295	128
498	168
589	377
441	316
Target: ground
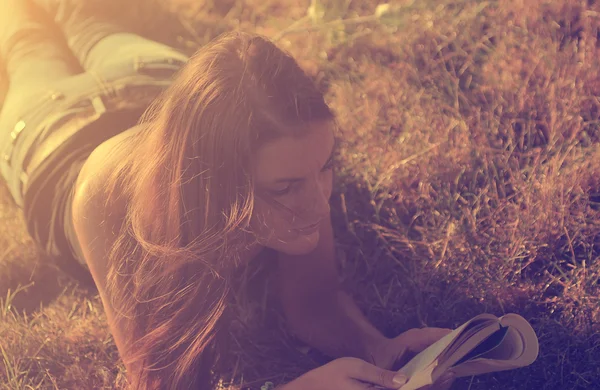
468	181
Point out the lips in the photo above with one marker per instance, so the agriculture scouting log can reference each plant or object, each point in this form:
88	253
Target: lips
310	228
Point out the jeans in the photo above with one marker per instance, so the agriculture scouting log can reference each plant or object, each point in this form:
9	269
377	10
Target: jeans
65	98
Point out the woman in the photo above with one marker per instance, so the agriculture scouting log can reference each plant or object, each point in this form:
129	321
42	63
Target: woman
163	174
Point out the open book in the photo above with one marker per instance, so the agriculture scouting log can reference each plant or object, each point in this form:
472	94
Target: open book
483	344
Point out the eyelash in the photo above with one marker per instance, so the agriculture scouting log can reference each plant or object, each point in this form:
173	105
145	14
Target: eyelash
287	189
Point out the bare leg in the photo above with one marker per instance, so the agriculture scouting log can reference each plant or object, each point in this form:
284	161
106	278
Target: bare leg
97	41
32	49
35	56
36	59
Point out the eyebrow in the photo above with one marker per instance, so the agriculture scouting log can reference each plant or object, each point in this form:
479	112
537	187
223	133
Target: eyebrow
298	179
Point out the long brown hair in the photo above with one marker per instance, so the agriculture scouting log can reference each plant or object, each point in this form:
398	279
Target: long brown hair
189	193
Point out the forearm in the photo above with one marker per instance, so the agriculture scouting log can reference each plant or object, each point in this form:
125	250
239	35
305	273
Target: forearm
334	324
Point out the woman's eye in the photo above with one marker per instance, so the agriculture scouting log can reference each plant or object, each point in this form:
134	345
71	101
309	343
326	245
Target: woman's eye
282	191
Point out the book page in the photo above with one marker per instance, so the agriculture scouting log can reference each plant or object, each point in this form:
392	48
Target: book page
498	359
468	345
420	368
483	344
431	353
473	329
518	348
488	345
530	346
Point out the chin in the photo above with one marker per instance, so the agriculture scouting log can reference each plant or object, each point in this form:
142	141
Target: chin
302	245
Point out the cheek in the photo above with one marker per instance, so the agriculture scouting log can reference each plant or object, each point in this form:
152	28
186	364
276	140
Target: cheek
273	232
270	223
267	222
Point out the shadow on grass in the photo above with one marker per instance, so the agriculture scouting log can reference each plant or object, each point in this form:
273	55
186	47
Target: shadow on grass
393	284
23	264
398	287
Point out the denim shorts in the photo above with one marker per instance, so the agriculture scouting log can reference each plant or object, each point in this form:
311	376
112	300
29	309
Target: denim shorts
83	110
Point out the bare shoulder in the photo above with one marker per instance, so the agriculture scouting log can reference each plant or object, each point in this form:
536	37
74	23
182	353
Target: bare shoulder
101	161
97	219
97	215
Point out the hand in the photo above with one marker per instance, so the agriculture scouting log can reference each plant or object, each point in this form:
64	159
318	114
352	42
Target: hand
443	383
395	353
346	374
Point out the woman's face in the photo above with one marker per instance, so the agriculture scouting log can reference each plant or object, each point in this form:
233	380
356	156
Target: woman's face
295	172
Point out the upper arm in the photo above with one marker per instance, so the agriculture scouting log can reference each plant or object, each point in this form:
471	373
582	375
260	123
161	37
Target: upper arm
96	229
313	273
96	225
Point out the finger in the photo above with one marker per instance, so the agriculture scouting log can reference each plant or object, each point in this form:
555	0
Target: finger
402	358
367	372
426	337
443	383
438	386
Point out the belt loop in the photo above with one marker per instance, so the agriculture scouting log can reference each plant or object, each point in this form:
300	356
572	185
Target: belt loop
23	179
17	130
104	86
14	134
98	105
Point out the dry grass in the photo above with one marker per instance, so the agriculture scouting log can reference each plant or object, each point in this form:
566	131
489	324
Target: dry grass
468	182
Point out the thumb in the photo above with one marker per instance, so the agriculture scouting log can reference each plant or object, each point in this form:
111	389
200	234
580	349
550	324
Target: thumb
379	376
